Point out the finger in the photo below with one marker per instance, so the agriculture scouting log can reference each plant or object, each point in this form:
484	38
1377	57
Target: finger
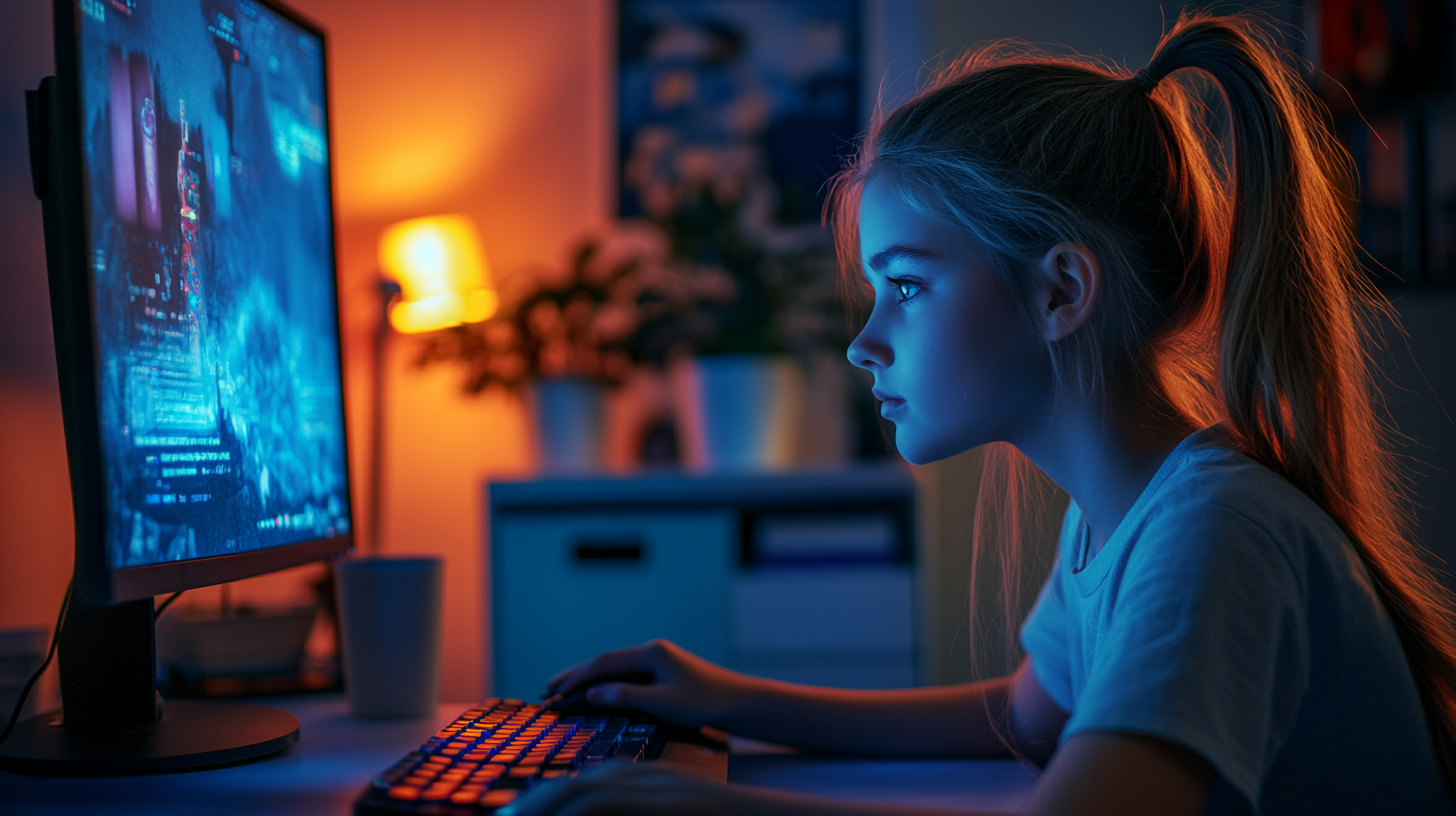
557	795
642	791
620	695
543	798
624	661
603	802
556	678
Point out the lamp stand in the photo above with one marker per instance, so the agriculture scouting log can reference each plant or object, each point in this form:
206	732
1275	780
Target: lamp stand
388	290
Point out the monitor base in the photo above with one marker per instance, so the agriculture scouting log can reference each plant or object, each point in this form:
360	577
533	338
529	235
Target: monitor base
192	735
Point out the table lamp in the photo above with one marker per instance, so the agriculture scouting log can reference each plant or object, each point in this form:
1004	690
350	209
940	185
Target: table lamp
433	275
441	271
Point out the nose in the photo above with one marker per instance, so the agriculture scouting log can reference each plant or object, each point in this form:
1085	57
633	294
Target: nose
869	350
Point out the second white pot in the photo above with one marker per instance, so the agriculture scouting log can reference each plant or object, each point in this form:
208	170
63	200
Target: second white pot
739	411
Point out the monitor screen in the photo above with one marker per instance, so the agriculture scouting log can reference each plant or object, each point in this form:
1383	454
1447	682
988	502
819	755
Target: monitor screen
211	246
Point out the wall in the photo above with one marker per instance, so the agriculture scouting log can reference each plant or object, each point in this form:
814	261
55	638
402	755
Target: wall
1122	30
496	110
35	505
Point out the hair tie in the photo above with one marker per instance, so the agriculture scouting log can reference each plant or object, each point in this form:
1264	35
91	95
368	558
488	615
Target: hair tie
1143	81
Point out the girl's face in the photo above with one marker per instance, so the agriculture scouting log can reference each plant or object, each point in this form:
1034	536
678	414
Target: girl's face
955	361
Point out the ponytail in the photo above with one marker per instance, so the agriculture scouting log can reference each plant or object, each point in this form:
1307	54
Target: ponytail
1293	369
1231	285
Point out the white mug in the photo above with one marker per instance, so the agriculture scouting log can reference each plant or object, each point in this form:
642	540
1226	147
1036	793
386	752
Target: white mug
389	613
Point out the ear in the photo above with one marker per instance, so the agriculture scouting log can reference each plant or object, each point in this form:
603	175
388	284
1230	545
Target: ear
1070	283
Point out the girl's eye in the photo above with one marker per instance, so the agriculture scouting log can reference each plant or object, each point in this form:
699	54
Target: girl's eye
906	289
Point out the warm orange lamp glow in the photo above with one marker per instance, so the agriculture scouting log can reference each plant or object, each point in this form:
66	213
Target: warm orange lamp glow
442	271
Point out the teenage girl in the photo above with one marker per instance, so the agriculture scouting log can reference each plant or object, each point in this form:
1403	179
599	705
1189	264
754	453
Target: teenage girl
1063	260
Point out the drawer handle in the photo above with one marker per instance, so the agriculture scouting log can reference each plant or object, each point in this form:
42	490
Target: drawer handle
609	552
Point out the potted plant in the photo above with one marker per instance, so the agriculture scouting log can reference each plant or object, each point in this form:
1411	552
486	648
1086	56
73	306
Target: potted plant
738	351
560	340
730	309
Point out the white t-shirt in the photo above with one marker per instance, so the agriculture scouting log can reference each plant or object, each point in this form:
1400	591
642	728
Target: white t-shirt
1229	614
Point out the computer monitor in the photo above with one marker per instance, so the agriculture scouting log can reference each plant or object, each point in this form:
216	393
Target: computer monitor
181	153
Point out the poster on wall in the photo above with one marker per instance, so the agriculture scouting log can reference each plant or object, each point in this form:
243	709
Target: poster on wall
752	104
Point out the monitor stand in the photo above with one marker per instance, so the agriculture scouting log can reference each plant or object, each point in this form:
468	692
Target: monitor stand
114	722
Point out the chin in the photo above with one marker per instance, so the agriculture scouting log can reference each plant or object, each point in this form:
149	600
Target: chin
918	450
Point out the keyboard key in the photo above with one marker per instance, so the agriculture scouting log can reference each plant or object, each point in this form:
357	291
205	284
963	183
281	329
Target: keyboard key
406	793
499	798
485	777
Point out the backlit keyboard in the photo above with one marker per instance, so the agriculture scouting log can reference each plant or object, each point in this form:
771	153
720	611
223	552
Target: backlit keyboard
493	752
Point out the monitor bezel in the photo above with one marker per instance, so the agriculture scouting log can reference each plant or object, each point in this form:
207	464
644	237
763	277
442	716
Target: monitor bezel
73	307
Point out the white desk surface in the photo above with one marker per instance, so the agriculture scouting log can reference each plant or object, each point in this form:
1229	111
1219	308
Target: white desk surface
336	755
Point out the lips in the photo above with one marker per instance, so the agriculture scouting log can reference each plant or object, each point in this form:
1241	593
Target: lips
888	402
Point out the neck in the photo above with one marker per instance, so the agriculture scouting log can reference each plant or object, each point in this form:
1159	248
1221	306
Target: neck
1104	451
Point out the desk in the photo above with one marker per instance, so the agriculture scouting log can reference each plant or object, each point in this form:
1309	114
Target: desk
336	755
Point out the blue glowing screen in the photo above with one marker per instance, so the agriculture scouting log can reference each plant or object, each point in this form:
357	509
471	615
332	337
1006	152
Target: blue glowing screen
211	227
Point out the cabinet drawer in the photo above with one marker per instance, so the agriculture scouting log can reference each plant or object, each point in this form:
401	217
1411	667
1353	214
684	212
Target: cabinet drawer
567	586
831	610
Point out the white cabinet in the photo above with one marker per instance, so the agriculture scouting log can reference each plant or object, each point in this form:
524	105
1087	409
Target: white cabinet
806	578
846	626
569	585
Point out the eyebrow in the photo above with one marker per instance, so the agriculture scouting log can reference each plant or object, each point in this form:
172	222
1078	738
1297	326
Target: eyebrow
897	252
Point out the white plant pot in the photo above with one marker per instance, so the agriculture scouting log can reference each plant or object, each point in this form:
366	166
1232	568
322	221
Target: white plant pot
257	644
739	411
568	419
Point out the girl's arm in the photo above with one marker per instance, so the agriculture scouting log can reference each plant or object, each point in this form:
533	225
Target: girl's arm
973	719
1115	773
989	718
1093	774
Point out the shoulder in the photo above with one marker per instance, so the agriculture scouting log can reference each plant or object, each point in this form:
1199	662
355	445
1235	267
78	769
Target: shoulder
1219	508
1215	484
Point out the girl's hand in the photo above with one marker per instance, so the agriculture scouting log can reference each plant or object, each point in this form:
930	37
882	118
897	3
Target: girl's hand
685	689
644	789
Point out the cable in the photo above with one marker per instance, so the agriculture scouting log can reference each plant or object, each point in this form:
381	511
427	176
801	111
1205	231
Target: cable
167	603
50	654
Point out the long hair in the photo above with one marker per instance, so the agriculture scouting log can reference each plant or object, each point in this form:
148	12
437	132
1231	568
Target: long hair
1231	287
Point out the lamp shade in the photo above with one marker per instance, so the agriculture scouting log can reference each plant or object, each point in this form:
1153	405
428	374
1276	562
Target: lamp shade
442	273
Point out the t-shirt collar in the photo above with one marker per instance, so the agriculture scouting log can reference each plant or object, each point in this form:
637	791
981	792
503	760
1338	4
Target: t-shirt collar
1095	569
